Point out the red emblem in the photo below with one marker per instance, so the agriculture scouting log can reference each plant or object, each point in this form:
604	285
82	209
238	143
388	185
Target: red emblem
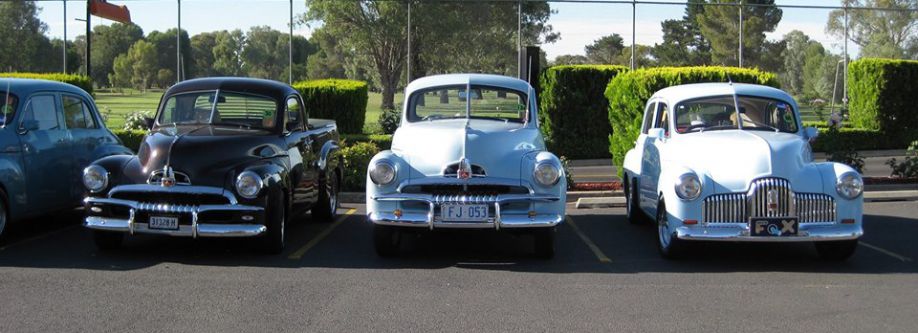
464	170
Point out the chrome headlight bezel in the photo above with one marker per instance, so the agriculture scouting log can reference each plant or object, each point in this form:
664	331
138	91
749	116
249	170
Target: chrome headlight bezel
688	186
249	184
546	173
95	178
382	172
849	185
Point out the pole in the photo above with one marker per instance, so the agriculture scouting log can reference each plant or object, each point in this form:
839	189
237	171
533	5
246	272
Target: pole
519	38
741	35
65	38
178	45
409	43
290	48
633	32
845	92
88	41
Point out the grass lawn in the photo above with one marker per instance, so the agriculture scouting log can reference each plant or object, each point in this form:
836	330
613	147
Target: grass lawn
116	106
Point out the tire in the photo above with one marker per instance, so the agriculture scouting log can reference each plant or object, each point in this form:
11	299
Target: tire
326	209
386	240
669	246
633	207
544	242
272	242
107	240
4	212
836	250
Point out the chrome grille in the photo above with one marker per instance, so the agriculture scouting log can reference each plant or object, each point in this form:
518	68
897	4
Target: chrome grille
724	208
165	208
814	207
471	199
771	197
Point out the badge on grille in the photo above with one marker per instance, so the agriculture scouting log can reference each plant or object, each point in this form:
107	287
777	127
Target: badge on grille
168	179
772	197
464	169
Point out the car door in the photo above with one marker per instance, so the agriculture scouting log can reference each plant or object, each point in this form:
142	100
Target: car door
85	135
299	148
650	159
46	153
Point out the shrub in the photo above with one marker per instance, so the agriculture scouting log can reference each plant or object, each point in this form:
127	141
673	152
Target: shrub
908	168
345	101
382	141
130	138
832	139
81	81
568	174
882	93
628	94
356	159
136	120
572	110
389	120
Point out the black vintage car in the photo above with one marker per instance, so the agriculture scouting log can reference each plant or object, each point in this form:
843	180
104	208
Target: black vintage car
225	157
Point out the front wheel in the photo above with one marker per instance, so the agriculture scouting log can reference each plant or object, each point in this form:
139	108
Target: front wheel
669	245
272	242
544	242
326	208
836	250
632	205
386	240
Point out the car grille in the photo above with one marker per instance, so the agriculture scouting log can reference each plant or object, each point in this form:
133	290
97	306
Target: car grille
175	199
768	197
465	190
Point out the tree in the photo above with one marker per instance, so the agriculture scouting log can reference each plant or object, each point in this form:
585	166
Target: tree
202	51
570	59
266	54
642	56
164	43
328	61
819	74
794	57
138	66
22	36
605	50
227	53
683	44
720	26
109	42
879	33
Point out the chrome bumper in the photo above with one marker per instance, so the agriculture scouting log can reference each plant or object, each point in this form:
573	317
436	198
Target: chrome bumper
195	230
431	221
740	233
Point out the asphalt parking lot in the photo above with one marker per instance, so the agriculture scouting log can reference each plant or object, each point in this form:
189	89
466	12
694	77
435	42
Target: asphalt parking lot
606	276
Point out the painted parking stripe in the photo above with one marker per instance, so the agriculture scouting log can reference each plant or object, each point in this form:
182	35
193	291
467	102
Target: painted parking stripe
315	240
886	252
589	243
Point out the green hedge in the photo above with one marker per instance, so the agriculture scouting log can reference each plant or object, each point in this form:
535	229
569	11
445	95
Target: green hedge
82	81
572	109
853	138
345	101
628	94
356	159
382	141
130	138
882	94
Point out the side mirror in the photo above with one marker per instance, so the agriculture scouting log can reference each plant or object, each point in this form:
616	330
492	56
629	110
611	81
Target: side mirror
28	125
811	133
656	133
148	122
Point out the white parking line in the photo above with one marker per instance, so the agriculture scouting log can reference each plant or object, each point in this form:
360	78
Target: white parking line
886	252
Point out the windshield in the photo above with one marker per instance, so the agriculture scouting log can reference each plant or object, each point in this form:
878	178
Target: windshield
8	103
717	113
451	102
219	108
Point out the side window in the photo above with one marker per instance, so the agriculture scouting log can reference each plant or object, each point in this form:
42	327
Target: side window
90	119
662	120
76	113
293	116
648	117
43	110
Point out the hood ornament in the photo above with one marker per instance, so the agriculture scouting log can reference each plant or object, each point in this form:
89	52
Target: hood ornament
168	179
464	169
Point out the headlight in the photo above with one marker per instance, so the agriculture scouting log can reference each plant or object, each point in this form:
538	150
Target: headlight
688	186
95	178
546	173
382	173
849	185
248	184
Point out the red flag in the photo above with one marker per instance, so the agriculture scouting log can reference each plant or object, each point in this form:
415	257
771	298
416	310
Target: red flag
103	9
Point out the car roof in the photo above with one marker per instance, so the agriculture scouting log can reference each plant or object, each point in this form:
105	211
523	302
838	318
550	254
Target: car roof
269	88
25	87
676	94
470	79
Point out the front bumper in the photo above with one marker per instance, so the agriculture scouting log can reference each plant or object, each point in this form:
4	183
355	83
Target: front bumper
499	220
237	220
737	232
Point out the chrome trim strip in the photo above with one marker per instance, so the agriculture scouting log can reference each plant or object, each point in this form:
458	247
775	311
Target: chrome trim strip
740	233
201	230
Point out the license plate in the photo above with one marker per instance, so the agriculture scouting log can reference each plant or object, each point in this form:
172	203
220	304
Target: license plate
773	226
164	222
463	213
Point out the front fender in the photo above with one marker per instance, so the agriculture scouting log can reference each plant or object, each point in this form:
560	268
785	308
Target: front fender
274	175
845	208
327	158
12	179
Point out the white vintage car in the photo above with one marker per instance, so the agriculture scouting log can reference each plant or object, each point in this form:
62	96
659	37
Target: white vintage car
468	154
731	162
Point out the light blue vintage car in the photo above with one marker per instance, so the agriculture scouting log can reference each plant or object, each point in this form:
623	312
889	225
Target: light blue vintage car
468	154
732	162
49	132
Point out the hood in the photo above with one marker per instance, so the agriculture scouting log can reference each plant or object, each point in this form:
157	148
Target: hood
496	147
206	154
733	158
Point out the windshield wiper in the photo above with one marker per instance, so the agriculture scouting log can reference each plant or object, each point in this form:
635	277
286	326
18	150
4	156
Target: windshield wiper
718	127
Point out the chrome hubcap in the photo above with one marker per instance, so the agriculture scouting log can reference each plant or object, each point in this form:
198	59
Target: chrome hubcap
663	227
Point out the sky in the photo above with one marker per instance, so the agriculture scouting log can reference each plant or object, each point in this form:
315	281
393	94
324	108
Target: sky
578	23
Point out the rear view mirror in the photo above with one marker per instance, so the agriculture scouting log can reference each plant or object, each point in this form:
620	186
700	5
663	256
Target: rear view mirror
28	125
148	122
810	133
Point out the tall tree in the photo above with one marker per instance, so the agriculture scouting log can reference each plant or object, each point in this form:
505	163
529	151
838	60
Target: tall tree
605	50
227	53
202	50
642	56
107	43
328	61
266	54
164	43
138	66
22	36
879	33
570	59
720	25
794	57
683	44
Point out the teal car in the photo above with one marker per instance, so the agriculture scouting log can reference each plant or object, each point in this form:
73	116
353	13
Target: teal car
49	132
